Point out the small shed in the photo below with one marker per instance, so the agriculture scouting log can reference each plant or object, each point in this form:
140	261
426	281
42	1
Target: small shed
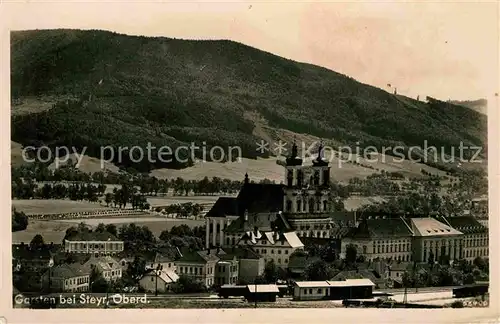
351	289
262	293
311	290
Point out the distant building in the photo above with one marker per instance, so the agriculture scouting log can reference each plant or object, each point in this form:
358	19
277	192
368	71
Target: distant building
158	281
199	265
275	246
382	238
333	290
67	278
226	271
263	293
107	266
434	238
475	240
97	243
250	264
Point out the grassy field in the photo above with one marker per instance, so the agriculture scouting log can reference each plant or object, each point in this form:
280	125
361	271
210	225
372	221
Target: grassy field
53	231
163	201
47	206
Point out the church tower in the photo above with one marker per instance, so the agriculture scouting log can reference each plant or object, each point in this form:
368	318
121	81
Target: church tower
306	202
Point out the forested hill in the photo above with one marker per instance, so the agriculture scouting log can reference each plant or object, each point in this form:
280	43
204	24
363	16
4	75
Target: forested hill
112	89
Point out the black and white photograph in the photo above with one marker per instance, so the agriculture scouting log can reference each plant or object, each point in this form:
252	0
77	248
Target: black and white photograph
261	155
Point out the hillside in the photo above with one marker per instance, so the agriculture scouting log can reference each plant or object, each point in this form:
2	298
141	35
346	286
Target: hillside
480	105
97	88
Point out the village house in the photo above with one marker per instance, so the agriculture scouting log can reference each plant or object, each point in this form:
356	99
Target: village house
28	258
273	246
107	266
199	265
250	264
67	278
158	281
97	243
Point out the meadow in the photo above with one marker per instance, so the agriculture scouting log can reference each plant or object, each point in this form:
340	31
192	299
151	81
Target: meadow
49	206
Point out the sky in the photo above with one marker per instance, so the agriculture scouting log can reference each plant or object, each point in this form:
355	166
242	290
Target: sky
447	50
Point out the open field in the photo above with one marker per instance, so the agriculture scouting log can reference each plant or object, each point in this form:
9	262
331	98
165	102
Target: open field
53	231
47	206
170	200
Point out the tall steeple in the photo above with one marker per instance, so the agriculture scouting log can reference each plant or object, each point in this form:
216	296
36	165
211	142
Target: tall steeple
246	178
319	161
294	159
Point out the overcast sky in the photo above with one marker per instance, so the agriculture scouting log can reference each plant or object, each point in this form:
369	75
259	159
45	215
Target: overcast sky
445	50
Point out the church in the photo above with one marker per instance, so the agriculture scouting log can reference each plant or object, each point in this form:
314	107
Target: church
301	204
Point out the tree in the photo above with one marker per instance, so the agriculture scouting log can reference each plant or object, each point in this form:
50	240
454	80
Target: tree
111	228
101	228
351	254
187	284
270	272
37	242
19	221
108	198
318	271
136	268
480	263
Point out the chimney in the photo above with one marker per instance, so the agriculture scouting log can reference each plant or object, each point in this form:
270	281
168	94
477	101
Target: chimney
246	178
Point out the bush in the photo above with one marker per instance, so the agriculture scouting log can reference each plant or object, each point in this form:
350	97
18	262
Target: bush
457	304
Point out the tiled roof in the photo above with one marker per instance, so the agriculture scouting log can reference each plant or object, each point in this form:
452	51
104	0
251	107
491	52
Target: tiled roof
104	263
69	270
372	228
92	236
351	282
224	206
168	276
203	256
311	284
432	227
466	224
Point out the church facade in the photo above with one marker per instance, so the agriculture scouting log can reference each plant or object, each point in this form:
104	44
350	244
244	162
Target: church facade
301	204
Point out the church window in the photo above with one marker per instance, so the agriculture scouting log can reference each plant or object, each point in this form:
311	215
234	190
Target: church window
311	205
288	205
325	205
290	178
300	178
299	205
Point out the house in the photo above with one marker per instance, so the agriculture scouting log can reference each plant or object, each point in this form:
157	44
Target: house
67	278
158	281
166	259
107	266
262	293
226	270
351	289
199	265
274	246
372	275
91	242
250	264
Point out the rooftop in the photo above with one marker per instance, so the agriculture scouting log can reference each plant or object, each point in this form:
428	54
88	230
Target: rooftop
432	227
382	227
92	236
466	224
263	288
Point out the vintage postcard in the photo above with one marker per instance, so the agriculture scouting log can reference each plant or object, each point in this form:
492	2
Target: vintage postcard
251	157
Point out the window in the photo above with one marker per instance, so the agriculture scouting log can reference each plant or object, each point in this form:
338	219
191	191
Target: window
272	251
152	278
320	291
279	261
310	291
286	261
286	251
279	251
305	291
